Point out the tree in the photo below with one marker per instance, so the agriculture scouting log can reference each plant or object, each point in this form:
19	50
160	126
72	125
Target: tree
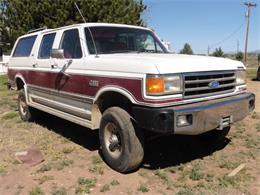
186	49
19	16
239	56
258	59
218	52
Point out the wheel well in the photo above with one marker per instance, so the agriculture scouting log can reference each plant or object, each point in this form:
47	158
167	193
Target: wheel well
110	99
19	83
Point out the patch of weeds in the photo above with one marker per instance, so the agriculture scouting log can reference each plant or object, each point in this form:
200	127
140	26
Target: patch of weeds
164	177
114	182
209	177
224	162
45	178
255	115
186	191
251	142
227	181
196	173
84	185
143	188
96	166
45	168
62	164
2	170
36	191
60	191
257	127
68	150
9	116
105	188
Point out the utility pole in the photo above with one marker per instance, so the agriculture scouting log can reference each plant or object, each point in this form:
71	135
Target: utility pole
249	6
208	50
237	46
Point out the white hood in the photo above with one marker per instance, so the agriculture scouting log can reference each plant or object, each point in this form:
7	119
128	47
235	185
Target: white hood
165	63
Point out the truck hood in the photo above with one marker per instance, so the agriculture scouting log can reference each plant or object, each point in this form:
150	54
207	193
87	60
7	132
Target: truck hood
169	63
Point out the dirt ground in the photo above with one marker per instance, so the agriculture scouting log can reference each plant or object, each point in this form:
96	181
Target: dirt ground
181	165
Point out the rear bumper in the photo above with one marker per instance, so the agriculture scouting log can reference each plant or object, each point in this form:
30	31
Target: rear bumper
204	116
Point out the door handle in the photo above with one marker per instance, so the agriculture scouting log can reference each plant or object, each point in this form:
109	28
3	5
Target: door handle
53	66
35	65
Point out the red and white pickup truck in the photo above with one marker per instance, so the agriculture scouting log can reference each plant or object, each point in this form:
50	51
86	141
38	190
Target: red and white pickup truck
121	79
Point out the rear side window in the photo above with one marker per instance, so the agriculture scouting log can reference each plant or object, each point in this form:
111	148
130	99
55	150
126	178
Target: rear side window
24	46
46	46
71	44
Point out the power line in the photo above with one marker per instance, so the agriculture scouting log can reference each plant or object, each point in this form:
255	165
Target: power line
227	37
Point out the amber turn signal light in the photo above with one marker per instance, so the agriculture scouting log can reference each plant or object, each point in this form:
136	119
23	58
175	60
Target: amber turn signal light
155	85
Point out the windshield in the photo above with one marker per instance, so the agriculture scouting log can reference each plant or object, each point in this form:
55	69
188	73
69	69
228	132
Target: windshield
121	40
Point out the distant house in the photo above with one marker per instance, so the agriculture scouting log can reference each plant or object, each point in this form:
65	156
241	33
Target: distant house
3	64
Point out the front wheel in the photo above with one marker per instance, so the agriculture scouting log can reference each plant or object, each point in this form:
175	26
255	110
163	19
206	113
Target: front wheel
121	143
26	112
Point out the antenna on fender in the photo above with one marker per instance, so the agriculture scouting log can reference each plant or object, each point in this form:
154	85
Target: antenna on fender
94	44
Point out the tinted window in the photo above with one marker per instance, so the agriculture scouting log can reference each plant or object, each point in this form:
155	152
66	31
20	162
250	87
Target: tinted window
121	40
46	45
24	47
71	44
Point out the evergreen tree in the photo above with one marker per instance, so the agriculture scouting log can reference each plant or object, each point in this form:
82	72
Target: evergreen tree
186	49
19	16
218	52
239	56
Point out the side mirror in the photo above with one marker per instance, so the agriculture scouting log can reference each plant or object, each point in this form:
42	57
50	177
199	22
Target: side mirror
57	53
1	54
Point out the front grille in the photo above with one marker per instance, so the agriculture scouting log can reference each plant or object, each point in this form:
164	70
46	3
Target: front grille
198	84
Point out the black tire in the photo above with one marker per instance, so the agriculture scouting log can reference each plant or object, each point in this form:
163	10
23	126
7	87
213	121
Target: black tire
215	135
26	112
258	74
121	143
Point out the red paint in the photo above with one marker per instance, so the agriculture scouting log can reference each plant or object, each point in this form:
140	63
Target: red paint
79	84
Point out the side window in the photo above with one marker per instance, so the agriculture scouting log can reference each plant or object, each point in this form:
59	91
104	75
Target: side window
24	46
46	46
71	44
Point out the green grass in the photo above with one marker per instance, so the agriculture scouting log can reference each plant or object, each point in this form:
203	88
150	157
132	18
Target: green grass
105	188
36	191
3	81
97	165
45	178
251	73
84	185
114	182
196	173
143	188
60	191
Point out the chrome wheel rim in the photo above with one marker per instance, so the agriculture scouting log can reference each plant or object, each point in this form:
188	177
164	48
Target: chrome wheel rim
112	140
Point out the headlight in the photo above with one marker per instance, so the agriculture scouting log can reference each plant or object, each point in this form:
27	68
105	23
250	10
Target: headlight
240	77
163	84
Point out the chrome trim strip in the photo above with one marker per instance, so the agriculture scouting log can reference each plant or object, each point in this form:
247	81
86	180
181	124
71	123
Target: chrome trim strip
208	88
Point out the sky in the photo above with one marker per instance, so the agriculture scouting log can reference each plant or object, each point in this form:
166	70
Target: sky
203	23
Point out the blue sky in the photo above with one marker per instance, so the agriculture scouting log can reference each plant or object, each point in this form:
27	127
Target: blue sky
202	23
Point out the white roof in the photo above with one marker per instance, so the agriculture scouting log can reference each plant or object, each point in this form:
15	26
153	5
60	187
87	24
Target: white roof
85	25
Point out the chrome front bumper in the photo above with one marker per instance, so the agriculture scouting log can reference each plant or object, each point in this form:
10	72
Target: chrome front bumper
205	116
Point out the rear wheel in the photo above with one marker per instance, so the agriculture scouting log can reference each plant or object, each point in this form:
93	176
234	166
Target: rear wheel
26	112
121	143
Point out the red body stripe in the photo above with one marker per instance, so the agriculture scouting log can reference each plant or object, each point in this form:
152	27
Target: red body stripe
79	84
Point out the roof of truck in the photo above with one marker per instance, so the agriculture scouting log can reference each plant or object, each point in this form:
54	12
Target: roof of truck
35	32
